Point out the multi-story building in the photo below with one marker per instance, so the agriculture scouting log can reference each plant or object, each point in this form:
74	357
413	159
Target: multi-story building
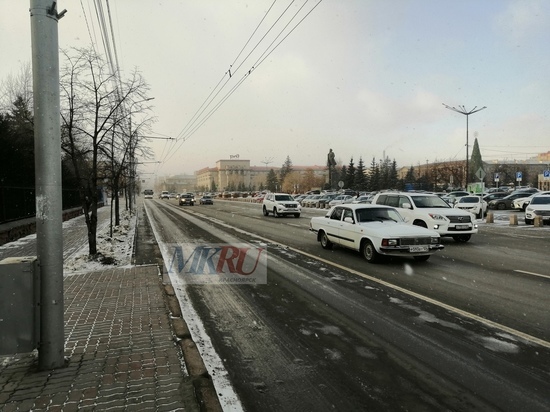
235	173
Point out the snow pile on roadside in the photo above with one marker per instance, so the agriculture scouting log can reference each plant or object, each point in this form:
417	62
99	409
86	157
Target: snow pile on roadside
115	251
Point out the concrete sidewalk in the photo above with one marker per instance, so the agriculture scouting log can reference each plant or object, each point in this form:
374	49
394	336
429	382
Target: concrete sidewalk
123	346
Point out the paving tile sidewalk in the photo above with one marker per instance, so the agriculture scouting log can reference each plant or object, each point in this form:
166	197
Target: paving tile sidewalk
120	346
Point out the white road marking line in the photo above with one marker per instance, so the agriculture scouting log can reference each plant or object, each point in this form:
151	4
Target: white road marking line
532	273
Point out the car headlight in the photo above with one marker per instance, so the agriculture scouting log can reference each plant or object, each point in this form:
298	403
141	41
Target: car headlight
390	242
436	216
435	240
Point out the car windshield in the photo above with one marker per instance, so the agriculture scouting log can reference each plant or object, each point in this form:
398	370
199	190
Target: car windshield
376	214
429	201
541	200
280	198
469	199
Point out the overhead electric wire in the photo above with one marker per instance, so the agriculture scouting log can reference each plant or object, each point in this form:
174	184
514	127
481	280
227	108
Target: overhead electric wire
195	123
210	98
254	66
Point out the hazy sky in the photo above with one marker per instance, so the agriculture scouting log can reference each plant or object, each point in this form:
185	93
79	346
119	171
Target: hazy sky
365	77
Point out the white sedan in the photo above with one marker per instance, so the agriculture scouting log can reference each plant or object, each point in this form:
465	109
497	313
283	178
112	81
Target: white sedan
374	230
340	200
473	204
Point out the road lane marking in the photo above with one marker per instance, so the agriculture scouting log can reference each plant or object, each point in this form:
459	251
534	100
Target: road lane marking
532	273
435	302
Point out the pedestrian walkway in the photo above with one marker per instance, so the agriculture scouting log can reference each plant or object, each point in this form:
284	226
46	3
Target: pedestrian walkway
120	346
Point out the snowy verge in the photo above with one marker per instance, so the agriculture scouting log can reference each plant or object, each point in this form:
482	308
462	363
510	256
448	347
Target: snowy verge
115	251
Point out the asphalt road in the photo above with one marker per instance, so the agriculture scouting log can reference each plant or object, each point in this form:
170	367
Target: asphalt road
466	330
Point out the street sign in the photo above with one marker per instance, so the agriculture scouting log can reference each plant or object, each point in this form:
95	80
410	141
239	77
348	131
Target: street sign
519	176
497	177
340	184
546	174
480	174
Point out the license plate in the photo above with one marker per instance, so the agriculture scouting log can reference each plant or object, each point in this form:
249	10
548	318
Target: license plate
418	248
462	227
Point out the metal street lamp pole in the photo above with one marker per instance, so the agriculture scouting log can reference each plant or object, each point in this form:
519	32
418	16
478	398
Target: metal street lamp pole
132	153
467	113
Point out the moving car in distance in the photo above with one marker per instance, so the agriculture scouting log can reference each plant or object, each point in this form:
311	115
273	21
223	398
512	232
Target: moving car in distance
148	194
280	204
164	195
539	206
472	204
206	200
432	212
374	231
186	199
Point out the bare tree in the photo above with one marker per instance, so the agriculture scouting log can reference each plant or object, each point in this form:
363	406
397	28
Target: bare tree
96	116
17	87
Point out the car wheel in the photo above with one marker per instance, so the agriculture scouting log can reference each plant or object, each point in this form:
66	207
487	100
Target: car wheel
528	221
369	252
501	206
266	213
325	243
420	223
296	215
462	238
275	213
422	258
480	215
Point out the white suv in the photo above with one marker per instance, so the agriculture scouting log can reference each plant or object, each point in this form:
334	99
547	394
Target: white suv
430	211
280	204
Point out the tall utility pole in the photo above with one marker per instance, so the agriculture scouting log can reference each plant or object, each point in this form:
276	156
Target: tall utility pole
47	146
467	113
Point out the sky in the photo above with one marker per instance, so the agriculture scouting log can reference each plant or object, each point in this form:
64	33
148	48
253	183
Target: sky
365	78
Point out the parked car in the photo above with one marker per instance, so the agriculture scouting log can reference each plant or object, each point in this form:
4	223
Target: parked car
340	200
505	202
304	199
280	204
452	197
539	206
325	199
363	199
311	201
374	230
495	195
186	199
522	202
497	190
206	200
473	204
430	211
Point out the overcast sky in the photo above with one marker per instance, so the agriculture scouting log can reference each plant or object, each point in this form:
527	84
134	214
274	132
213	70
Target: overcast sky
365	77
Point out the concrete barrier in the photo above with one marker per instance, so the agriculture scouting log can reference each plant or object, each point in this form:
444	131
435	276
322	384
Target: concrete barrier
538	222
490	218
513	220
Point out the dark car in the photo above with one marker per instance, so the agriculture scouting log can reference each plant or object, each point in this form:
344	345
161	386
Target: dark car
186	199
325	199
506	202
206	200
495	195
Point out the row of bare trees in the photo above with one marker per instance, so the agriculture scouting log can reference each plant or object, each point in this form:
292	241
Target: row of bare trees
103	120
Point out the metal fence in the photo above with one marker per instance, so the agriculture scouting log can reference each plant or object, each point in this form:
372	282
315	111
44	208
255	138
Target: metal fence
20	203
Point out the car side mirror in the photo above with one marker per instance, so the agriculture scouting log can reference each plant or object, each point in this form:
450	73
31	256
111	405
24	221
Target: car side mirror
349	220
406	205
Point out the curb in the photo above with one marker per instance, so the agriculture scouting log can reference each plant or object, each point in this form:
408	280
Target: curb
205	391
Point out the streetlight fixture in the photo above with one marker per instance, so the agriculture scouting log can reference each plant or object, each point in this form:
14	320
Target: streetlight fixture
462	110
